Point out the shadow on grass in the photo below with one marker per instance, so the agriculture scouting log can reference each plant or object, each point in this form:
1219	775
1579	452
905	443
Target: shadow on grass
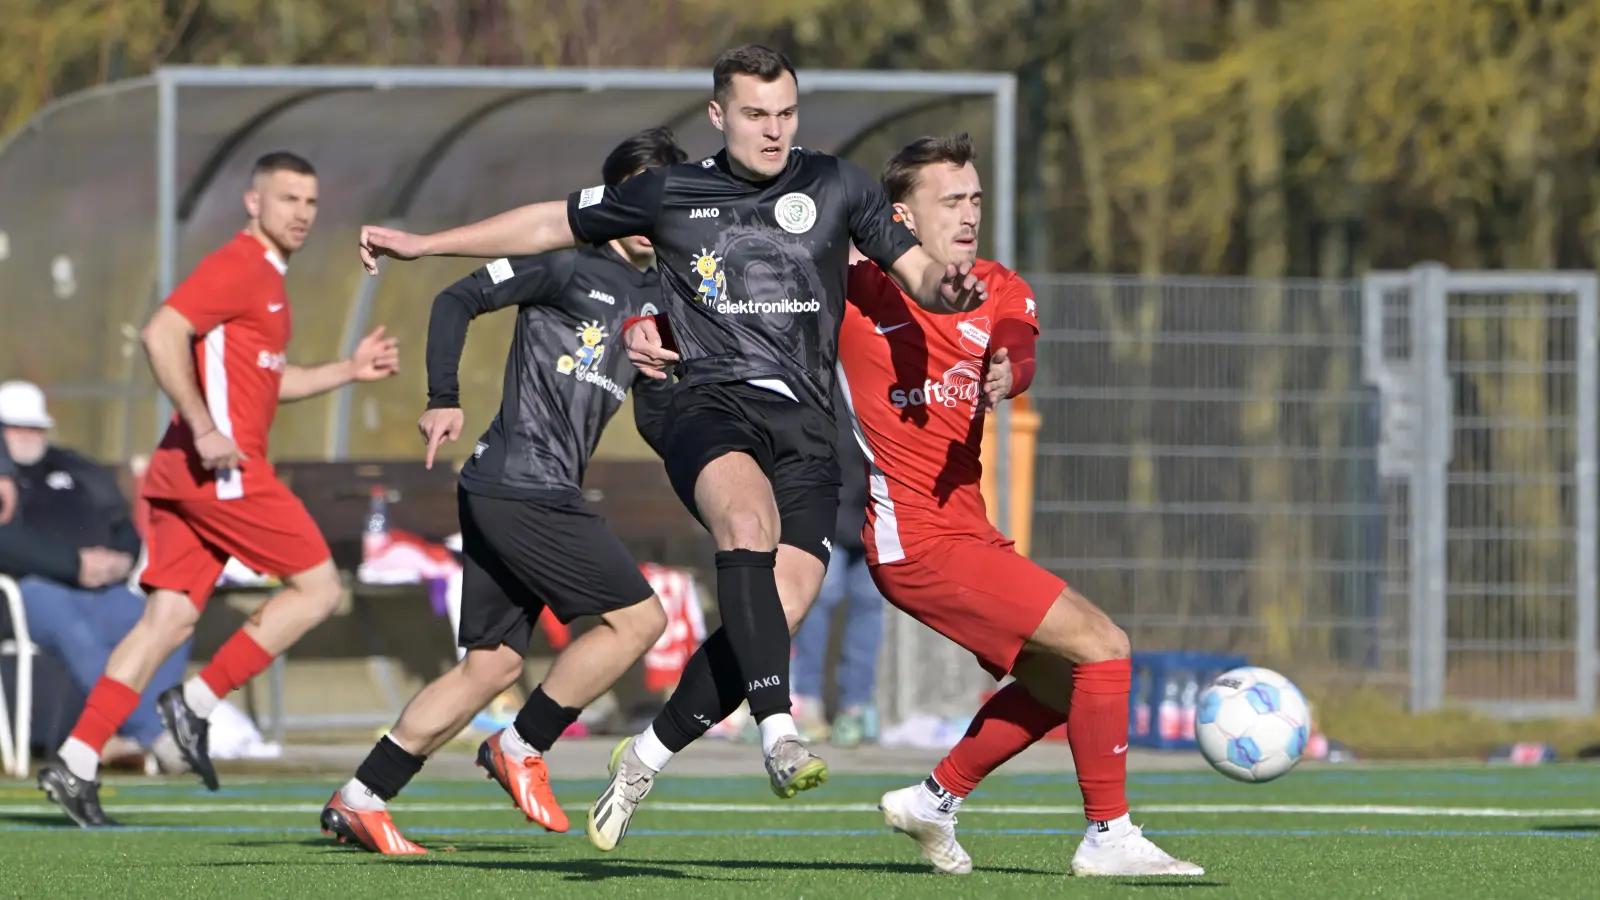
1570	829
1170	883
329	845
886	868
449	854
57	821
571	869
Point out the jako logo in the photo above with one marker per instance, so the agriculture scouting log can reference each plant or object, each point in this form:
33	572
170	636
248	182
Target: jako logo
960	385
273	361
704	213
769	681
603	297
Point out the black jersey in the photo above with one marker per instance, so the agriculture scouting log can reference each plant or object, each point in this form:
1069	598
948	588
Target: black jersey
566	374
753	272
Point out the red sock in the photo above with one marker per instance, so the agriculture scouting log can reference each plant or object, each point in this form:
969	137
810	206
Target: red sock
238	661
1008	724
110	704
1097	730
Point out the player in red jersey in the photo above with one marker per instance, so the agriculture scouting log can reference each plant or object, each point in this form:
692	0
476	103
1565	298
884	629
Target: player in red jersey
217	348
919	386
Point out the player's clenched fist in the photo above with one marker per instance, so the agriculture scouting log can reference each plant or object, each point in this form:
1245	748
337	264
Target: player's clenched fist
438	426
377	241
217	451
645	349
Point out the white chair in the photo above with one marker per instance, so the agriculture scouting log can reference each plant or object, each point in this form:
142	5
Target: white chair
14	739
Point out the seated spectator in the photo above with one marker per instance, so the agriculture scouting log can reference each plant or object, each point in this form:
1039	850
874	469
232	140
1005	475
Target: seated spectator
71	546
8	486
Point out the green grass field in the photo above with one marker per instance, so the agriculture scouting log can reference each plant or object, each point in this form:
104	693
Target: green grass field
1452	832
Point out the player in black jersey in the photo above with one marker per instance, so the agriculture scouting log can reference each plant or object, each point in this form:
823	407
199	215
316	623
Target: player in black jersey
529	540
753	246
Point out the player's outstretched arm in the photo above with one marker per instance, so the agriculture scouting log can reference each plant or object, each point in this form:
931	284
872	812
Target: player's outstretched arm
880	234
524	231
936	287
374	358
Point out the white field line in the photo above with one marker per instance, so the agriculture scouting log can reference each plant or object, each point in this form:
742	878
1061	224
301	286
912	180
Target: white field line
1469	812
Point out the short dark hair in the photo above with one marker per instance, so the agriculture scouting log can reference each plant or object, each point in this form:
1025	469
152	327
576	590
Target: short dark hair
901	171
282	161
755	60
648	149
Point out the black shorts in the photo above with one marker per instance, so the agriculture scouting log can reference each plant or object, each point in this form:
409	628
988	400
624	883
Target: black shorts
520	556
794	443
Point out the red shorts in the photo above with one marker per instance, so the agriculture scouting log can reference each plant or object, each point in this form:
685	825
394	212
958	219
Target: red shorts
981	594
190	541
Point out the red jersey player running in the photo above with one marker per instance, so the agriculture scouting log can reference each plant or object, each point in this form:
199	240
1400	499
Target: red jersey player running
919	386
217	349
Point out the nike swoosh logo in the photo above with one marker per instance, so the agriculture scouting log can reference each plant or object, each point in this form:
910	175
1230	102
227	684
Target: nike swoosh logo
274	307
885	329
1120	748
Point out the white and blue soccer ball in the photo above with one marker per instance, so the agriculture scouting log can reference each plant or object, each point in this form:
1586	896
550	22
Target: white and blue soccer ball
1252	724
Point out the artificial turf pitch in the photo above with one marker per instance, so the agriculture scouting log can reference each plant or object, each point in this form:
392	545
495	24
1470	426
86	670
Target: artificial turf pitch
1452	832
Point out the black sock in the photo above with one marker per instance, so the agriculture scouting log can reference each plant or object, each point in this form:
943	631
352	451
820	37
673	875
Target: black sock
388	769
541	720
752	614
709	691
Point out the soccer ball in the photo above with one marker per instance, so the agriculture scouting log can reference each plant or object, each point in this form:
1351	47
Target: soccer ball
1252	724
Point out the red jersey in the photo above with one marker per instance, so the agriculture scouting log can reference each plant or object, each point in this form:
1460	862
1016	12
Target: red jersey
913	380
236	301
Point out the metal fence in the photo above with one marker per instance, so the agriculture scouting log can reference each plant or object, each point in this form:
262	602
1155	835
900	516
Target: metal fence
1388	481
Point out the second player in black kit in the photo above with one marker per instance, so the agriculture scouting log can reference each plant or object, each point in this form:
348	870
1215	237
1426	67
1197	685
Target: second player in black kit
528	537
529	541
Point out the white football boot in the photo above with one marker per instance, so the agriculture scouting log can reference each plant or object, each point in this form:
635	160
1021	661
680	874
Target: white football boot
631	780
1121	850
914	811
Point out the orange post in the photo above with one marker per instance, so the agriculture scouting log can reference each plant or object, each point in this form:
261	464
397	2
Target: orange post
1023	443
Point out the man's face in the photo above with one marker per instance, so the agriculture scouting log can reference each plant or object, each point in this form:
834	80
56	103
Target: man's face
26	445
758	120
285	206
945	209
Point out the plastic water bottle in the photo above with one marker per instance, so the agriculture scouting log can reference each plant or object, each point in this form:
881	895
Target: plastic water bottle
1169	715
376	535
1189	705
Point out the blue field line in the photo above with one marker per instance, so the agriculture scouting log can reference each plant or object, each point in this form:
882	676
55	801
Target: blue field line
836	832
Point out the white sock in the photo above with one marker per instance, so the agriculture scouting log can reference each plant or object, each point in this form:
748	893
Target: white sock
650	750
1108	831
80	759
512	745
935	800
200	698
775	728
358	796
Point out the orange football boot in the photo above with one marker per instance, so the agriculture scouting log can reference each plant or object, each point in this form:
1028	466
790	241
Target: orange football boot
527	781
373	831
